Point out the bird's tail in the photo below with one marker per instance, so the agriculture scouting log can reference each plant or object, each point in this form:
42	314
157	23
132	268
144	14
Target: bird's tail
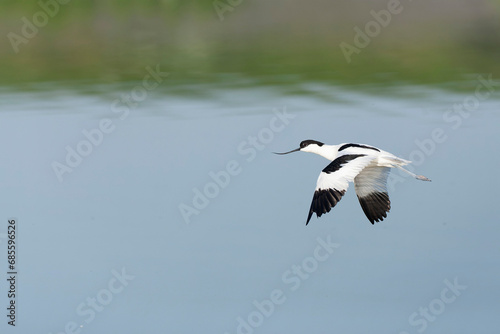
393	161
396	162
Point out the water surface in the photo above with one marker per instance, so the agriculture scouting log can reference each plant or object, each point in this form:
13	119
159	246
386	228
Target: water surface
131	209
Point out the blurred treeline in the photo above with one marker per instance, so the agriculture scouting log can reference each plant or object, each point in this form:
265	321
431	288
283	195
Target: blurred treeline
429	41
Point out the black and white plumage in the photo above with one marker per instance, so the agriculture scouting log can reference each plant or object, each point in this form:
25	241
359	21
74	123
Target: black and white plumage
367	166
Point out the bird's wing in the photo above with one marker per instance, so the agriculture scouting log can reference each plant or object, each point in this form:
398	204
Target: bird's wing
371	189
334	181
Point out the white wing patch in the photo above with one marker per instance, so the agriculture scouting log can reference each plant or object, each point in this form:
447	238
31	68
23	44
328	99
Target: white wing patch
342	170
371	179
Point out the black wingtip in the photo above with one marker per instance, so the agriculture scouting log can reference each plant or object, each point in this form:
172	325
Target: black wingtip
375	206
323	201
309	217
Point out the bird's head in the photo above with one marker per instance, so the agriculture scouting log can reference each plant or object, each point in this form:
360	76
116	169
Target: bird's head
309	145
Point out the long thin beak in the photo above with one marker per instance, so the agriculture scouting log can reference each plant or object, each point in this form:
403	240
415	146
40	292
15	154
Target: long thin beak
298	149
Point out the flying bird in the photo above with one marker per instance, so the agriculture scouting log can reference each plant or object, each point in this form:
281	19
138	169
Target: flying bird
367	166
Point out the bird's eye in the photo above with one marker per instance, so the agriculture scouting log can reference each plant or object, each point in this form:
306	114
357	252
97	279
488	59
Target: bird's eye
303	144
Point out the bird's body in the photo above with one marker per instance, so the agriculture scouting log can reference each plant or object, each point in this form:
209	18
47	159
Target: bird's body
367	166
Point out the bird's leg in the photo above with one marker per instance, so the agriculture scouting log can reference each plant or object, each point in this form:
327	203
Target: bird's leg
423	178
418	177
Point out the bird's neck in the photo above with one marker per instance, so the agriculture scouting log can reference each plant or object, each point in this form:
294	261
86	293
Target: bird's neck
328	151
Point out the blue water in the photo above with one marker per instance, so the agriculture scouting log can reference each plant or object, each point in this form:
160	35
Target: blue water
179	219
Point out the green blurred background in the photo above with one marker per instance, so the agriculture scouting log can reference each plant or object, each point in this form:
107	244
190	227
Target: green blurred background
278	42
